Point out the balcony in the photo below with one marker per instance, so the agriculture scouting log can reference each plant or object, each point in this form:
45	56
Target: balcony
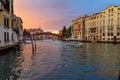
93	30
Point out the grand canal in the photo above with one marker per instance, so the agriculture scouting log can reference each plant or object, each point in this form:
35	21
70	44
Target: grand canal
56	60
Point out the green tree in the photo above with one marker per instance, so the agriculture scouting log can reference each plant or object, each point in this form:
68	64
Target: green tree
68	32
64	30
26	33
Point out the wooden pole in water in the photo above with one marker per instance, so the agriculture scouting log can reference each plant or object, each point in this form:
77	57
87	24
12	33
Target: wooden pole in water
35	43
32	43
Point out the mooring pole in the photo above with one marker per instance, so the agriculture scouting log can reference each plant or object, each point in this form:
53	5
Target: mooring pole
32	43
35	43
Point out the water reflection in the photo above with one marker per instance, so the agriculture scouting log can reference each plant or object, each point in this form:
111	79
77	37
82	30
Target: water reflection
55	60
10	65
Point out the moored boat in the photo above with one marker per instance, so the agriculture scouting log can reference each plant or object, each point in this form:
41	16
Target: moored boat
76	44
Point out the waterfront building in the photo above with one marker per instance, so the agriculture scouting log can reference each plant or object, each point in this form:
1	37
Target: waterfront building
10	25
18	27
35	31
78	29
102	27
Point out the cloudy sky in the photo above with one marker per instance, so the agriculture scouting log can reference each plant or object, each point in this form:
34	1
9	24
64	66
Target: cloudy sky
52	15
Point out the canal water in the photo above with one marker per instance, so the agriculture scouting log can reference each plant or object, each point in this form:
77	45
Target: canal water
57	60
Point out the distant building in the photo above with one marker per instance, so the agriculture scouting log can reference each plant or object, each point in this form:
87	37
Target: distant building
102	27
47	35
10	25
35	31
60	32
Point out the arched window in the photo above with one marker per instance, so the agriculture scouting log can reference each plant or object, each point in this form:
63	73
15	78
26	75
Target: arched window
112	21
109	10
118	21
112	10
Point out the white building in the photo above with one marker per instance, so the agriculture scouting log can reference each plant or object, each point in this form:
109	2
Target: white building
10	25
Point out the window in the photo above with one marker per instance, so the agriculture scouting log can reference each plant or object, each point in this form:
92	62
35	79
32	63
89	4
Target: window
7	37
112	9
118	13
111	28
111	21
109	10
111	34
5	40
118	34
118	21
103	34
6	22
108	34
6	4
12	37
118	28
118	8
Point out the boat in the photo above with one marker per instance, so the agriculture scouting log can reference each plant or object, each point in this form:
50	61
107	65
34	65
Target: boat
28	41
76	44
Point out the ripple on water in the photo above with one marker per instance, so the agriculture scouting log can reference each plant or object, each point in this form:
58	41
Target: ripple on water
55	60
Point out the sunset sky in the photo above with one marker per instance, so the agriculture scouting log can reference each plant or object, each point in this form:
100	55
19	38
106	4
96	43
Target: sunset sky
52	15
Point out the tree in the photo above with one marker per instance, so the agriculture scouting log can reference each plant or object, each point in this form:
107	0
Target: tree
64	30
68	32
26	33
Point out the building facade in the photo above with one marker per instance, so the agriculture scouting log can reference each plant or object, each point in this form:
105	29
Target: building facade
10	25
35	31
78	29
101	27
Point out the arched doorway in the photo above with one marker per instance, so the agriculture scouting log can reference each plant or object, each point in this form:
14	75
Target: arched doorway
115	39
94	38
